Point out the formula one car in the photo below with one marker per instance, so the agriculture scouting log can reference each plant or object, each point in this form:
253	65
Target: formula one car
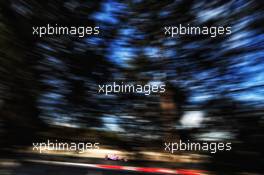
114	157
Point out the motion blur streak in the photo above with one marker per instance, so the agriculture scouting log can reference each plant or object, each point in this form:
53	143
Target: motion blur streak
126	168
214	85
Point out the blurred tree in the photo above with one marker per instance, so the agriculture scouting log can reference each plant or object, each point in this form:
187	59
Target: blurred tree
45	79
203	66
242	126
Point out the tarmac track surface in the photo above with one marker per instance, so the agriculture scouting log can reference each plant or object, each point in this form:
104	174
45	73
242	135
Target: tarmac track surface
41	165
35	168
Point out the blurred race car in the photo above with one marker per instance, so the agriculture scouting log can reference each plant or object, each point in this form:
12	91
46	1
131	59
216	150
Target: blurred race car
114	157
